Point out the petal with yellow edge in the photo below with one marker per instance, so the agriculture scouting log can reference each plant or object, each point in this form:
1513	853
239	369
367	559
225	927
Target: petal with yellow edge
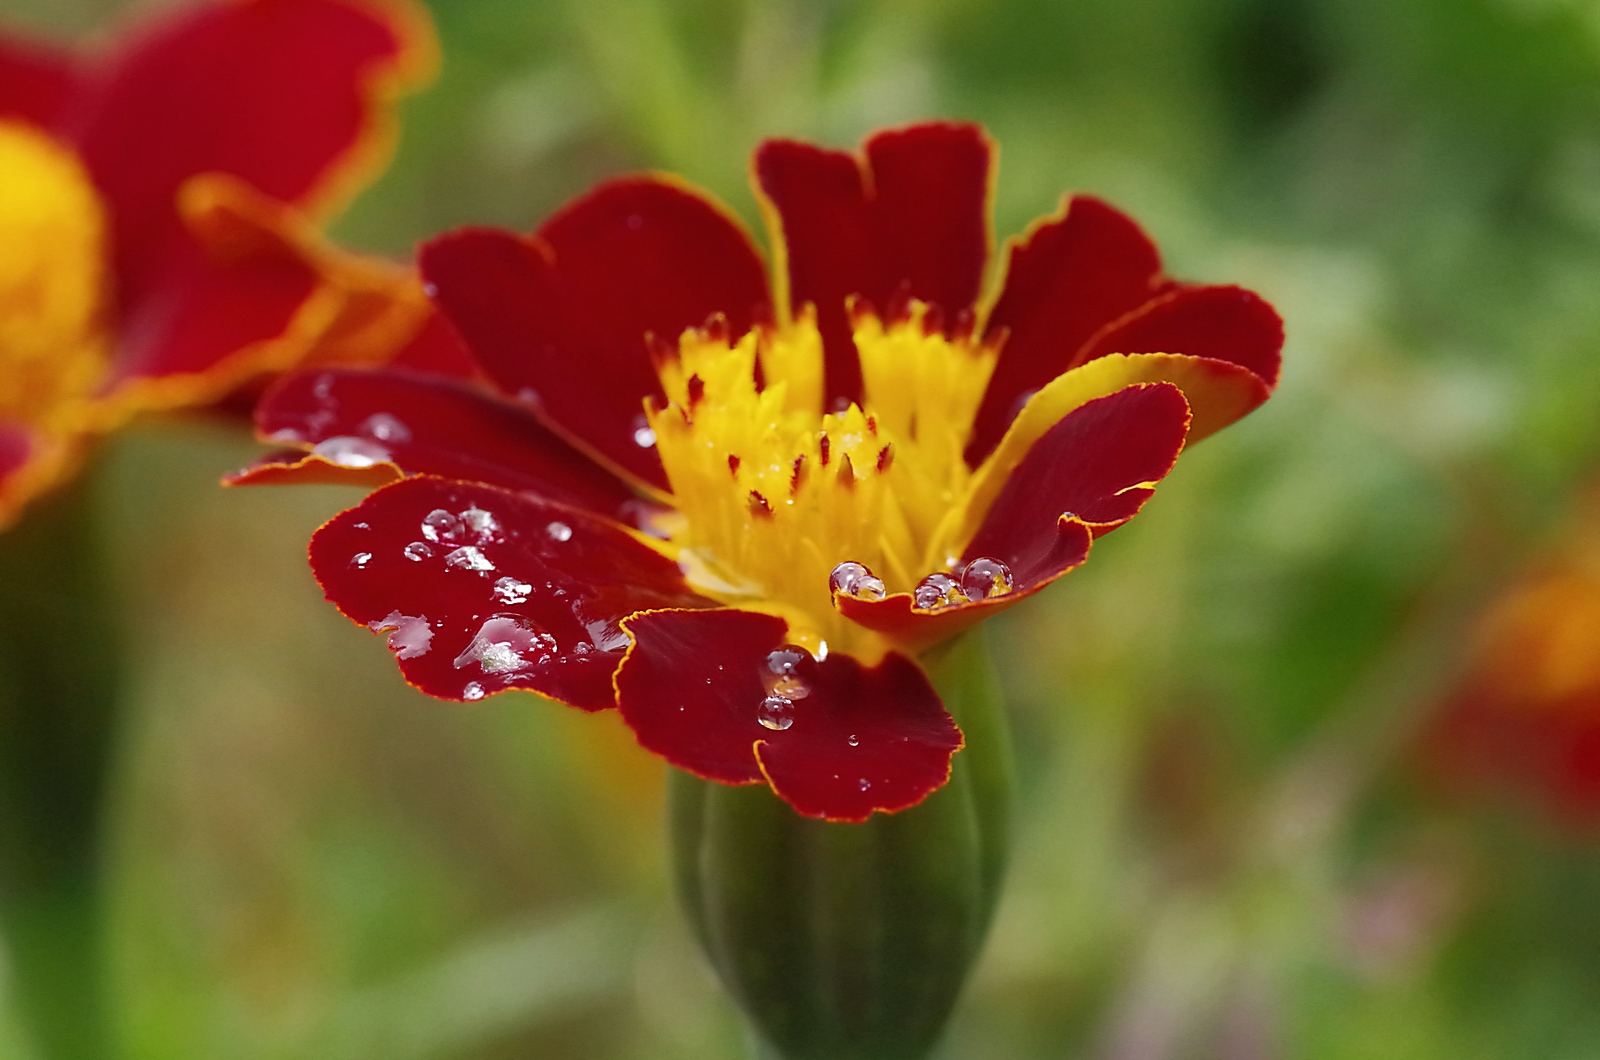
722	695
564	317
480	590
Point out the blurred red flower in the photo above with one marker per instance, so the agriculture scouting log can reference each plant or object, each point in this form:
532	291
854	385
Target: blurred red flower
1524	717
157	206
738	512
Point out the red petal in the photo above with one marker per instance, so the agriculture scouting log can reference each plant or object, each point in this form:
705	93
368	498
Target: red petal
565	315
435	426
204	312
1069	277
462	628
281	93
437	350
37	82
907	218
1086	475
1220	323
865	739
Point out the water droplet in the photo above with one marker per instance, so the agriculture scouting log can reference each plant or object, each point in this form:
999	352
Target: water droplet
431	290
322	389
480	523
511	591
855	579
644	436
385	428
349	451
363	526
506	643
606	635
360	559
440	525
938	590
468	557
635	222
853	740
559	532
865	784
775	713
418	551
409	636
985	577
789	672
472	692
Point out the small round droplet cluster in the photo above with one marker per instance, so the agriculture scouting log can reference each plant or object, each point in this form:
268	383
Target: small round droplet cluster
855	579
938	590
788	673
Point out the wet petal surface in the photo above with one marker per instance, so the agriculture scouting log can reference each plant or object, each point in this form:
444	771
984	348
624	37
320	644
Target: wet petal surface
480	590
861	739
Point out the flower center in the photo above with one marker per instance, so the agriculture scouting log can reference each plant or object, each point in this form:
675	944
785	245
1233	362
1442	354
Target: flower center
776	493
52	282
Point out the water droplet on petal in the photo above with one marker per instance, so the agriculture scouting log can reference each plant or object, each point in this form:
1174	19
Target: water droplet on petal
985	577
775	713
855	579
480	523
644	437
360	559
385	428
865	784
472	692
511	591
789	672
559	532
350	451
468	557
418	551
410	636
606	634
505	644
853	740
938	590
440	525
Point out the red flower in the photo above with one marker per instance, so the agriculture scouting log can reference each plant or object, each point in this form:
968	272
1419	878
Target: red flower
156	203
656	512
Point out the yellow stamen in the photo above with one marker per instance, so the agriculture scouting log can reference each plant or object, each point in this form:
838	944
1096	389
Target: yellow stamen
52	280
775	493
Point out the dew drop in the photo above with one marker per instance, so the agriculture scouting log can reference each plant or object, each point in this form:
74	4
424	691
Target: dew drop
789	672
855	579
644	437
472	692
505	644
606	634
360	560
511	591
468	557
559	532
418	551
385	428
938	590
853	740
350	451
865	784
409	635
440	525
775	713
480	523
985	577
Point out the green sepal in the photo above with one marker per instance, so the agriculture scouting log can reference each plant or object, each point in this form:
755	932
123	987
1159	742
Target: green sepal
852	941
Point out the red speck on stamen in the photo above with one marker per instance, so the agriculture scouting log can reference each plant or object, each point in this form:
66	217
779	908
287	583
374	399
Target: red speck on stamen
847	473
697	389
716	329
872	426
885	458
799	474
823	445
759	505
733	464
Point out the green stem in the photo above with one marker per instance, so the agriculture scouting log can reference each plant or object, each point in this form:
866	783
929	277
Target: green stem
59	664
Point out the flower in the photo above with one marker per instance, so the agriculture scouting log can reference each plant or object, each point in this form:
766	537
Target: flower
156	241
1523	718
739	513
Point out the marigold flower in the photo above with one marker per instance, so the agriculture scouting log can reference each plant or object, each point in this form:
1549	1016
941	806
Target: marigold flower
156	239
1524	717
736	512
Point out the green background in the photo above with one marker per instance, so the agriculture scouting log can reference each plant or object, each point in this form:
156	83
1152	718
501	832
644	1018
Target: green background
1224	850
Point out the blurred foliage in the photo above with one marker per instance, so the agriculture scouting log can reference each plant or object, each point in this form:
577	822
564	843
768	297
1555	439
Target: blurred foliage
1225	851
